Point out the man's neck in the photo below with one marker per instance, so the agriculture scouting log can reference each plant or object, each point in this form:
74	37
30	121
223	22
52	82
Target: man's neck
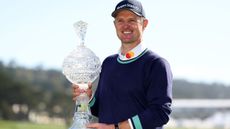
125	47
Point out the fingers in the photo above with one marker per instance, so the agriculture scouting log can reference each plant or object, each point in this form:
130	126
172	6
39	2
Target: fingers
89	91
90	85
93	125
74	87
100	126
76	91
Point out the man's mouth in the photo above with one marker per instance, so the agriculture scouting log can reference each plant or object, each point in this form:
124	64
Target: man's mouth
127	32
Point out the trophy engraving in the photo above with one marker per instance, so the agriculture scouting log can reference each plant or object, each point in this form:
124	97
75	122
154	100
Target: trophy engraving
80	67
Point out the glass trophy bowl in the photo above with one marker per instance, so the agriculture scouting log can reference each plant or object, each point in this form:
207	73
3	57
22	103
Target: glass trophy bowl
80	67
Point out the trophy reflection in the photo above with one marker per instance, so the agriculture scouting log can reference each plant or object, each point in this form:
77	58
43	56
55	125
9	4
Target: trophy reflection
80	67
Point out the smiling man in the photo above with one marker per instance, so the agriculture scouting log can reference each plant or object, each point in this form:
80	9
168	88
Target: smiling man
135	85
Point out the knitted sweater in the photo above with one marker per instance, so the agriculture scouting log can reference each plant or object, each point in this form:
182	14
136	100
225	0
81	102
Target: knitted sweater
139	90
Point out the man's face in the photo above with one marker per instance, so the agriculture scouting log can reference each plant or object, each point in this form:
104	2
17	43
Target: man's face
129	27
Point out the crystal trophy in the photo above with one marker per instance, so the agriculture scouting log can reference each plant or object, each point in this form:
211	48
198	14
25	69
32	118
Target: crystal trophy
80	67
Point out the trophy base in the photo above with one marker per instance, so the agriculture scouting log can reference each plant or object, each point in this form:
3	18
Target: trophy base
81	119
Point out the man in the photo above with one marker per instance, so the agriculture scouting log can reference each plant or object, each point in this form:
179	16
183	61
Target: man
135	85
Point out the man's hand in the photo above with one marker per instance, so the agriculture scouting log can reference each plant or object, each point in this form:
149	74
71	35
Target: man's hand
77	91
101	126
124	125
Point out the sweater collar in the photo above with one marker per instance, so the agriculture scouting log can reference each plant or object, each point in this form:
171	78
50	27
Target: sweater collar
135	52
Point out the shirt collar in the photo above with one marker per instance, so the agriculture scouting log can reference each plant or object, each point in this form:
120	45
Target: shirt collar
136	51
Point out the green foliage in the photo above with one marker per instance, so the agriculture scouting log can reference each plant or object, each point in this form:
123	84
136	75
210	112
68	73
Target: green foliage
33	88
27	125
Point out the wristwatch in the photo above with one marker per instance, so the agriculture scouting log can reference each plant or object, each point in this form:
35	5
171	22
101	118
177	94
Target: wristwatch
116	126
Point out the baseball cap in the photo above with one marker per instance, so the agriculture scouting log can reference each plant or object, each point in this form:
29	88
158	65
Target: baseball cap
131	5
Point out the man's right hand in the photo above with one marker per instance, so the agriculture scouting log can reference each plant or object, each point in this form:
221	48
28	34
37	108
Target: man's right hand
77	91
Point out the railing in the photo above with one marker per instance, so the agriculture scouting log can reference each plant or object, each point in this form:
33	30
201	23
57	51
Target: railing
201	103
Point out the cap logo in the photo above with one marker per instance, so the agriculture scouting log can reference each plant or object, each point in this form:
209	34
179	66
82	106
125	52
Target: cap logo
132	5
128	5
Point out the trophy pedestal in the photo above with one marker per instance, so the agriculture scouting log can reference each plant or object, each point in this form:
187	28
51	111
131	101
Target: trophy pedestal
81	119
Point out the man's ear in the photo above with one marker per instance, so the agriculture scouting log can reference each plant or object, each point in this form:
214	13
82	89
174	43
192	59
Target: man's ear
145	23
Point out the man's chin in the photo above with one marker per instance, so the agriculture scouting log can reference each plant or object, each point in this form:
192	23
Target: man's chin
127	41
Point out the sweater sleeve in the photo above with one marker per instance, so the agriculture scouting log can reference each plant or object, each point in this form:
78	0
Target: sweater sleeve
93	104
159	97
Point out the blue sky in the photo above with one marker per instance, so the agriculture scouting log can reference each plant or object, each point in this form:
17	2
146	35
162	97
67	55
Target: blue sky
193	35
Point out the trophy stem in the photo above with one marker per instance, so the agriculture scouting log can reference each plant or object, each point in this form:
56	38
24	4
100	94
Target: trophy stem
81	28
82	44
82	113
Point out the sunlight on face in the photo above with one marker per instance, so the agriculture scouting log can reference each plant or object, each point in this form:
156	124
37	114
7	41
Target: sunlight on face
129	27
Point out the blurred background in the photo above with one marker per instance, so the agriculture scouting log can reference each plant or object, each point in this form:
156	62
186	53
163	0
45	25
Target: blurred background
35	37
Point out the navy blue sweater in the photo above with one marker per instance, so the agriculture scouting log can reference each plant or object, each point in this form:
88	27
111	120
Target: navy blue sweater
139	89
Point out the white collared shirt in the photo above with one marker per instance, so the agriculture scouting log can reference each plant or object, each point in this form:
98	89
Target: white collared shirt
136	52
